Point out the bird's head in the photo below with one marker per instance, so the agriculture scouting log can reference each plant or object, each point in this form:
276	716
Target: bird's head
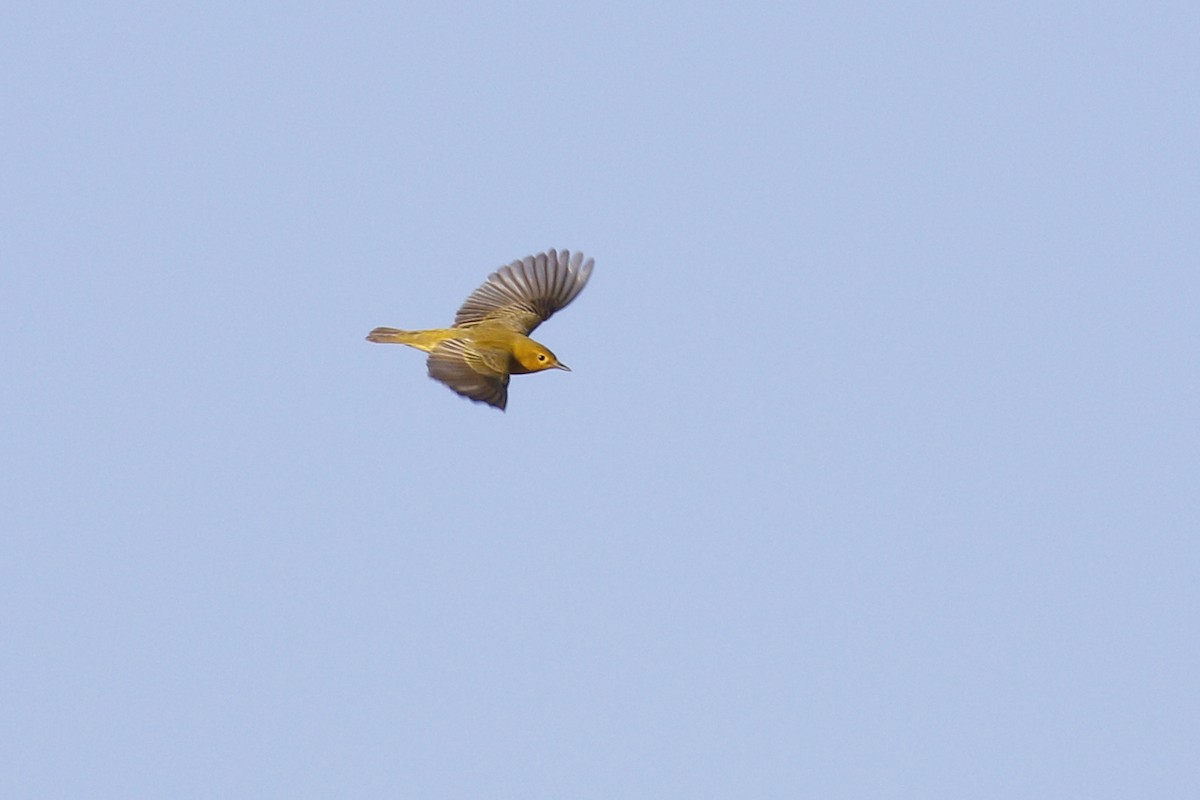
536	358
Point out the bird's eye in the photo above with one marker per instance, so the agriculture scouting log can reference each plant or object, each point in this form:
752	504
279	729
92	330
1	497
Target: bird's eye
541	356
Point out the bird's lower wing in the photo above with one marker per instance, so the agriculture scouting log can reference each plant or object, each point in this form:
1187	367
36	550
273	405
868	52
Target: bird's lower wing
481	375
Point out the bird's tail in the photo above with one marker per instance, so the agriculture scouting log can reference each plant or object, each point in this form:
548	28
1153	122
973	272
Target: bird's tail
422	340
390	336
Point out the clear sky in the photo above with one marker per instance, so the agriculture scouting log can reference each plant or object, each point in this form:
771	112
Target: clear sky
876	476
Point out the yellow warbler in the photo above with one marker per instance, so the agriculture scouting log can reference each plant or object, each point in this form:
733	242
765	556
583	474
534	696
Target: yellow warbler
490	338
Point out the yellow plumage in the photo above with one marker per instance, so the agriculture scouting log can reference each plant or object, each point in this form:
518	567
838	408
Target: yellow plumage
490	338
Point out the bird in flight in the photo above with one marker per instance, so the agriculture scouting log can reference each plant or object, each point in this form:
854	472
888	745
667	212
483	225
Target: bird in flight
490	338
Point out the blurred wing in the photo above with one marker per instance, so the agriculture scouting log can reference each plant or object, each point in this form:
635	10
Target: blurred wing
481	375
526	293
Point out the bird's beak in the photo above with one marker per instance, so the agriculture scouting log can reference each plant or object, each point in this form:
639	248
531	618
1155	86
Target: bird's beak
563	366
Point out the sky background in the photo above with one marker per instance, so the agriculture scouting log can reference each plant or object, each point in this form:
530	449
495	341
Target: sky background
876	476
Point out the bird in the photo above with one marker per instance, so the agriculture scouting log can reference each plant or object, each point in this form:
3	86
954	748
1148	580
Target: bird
489	340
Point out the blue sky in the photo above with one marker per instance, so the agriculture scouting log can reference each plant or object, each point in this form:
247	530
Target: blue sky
876	475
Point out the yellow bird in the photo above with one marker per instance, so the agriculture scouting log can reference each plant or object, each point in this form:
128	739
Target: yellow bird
490	338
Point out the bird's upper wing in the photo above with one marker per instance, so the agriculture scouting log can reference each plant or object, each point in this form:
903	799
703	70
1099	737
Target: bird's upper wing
526	293
480	374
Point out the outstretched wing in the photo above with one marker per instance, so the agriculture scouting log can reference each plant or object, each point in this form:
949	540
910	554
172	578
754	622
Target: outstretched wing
479	374
526	293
